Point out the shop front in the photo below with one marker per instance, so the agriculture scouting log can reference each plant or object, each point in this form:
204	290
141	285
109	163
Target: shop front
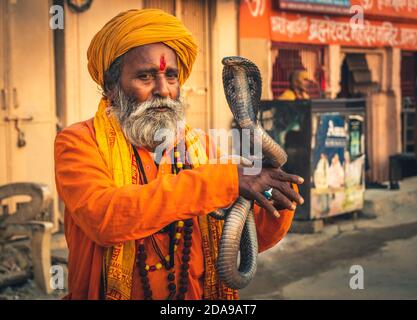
325	143
350	49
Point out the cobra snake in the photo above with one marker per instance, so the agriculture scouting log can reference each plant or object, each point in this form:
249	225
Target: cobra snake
242	84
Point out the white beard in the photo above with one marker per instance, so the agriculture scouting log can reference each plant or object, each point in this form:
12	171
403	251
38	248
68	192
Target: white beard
143	125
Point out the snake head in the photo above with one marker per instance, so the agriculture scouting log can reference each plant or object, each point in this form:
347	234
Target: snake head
236	61
242	84
240	63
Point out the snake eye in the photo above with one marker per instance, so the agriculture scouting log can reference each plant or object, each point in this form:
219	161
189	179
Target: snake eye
227	61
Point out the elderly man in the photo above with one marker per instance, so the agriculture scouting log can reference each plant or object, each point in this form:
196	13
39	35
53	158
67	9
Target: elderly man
299	81
138	228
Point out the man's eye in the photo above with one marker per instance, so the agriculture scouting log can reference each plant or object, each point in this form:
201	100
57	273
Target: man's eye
146	76
172	75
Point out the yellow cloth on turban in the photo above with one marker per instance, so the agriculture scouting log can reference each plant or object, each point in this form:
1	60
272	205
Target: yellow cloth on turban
134	28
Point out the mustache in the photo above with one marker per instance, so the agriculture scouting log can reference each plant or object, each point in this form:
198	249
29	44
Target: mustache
156	103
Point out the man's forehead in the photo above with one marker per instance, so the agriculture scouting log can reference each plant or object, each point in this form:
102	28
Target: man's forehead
152	54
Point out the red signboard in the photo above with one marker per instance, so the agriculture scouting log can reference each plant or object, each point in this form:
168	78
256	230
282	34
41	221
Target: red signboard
321	6
259	20
396	9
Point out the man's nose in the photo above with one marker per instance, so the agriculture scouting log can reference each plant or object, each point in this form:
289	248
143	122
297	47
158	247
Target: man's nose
161	86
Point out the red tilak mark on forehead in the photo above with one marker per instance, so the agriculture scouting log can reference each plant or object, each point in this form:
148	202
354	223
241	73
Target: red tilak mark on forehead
162	63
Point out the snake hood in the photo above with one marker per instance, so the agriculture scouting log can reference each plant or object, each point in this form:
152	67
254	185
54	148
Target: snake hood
243	83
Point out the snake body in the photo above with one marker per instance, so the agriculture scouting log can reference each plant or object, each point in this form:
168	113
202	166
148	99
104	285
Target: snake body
243	87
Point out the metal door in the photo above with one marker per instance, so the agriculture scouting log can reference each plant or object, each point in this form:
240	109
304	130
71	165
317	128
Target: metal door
27	111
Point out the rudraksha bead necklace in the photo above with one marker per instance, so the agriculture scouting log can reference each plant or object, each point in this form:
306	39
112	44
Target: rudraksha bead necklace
167	261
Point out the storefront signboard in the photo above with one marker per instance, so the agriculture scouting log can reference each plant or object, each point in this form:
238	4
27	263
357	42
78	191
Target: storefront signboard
338	164
261	21
320	6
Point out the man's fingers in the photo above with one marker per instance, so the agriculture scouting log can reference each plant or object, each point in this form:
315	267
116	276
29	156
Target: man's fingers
280	198
278	174
287	191
264	203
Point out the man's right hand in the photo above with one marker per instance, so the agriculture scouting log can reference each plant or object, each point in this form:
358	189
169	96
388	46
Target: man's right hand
252	187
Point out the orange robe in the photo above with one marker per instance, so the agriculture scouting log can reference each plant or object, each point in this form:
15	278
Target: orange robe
98	214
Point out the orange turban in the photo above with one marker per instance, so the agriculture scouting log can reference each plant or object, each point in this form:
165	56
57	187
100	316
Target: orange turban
134	28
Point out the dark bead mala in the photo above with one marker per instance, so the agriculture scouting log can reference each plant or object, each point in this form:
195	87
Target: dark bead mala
186	251
168	262
183	280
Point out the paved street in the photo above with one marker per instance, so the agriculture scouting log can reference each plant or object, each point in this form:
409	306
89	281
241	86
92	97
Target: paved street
317	266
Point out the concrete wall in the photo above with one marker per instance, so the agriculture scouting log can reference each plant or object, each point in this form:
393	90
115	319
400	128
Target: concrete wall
224	42
259	51
394	85
383	108
83	94
333	64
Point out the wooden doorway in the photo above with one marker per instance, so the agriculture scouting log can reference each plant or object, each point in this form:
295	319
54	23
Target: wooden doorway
195	16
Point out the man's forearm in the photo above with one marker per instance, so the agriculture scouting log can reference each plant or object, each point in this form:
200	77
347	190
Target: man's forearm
108	214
